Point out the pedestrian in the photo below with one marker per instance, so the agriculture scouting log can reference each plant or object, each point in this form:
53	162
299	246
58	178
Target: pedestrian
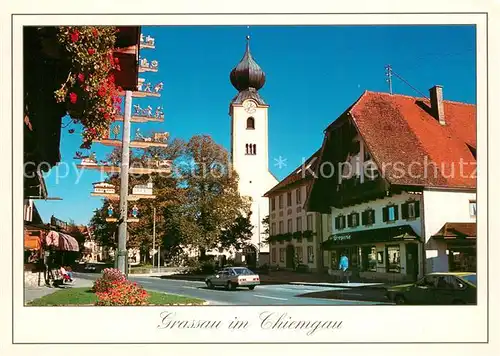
343	266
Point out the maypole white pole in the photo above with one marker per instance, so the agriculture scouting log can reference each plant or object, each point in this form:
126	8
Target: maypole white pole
122	229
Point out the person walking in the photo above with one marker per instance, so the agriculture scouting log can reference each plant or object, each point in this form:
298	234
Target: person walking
343	266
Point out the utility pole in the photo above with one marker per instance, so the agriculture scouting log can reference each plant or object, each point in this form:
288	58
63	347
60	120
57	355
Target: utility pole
154	233
122	256
388	74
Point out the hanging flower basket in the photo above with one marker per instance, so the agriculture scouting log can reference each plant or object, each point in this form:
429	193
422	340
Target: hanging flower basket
90	93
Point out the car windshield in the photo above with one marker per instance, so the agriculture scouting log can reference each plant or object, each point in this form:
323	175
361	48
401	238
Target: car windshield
244	271
471	278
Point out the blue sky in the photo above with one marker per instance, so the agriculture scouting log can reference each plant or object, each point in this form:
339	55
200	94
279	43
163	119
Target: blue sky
313	74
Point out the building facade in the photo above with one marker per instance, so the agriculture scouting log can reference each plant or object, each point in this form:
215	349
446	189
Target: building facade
397	174
295	235
249	147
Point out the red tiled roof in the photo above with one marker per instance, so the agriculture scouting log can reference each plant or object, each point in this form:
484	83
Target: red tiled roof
298	174
452	230
400	132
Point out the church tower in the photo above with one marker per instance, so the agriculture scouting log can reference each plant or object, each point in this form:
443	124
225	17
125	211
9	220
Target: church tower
250	140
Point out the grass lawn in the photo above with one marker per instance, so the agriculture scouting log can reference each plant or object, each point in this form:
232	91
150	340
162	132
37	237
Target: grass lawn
84	296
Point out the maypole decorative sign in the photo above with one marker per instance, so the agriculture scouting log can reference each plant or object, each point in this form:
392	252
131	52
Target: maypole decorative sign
156	139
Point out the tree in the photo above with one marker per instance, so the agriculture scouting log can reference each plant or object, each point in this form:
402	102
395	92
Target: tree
265	233
238	233
213	202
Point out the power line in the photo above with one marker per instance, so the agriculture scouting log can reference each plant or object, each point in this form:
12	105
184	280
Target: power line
390	73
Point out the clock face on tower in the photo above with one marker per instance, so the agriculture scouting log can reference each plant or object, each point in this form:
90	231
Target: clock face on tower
249	106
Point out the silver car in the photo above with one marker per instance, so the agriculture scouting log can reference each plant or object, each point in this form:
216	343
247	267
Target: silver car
233	277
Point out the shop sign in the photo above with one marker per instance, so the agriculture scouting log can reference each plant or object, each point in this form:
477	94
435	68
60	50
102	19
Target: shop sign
341	237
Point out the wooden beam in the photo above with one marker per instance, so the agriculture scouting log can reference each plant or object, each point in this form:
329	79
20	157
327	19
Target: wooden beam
147	69
133	144
141	94
141	119
132	170
116	196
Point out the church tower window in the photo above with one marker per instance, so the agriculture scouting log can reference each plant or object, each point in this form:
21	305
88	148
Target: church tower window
251	149
250	123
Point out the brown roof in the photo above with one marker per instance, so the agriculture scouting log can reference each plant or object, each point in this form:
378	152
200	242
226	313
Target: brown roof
399	130
453	230
302	173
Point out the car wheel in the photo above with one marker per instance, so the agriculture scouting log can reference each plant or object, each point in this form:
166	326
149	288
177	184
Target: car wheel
210	285
399	300
251	287
230	286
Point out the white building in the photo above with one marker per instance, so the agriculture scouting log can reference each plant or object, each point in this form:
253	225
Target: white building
295	234
249	145
403	191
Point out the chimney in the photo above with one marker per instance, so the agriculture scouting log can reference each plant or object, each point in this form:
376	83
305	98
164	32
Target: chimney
437	106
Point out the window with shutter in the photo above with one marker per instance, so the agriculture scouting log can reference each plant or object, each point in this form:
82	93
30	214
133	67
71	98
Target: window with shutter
354	219
385	214
404	210
349	220
417	209
337	223
370	217
364	219
410	211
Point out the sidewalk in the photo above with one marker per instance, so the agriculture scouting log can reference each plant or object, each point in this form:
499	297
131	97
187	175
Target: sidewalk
32	293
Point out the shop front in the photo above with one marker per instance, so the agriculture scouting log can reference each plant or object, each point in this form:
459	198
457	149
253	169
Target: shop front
386	254
460	242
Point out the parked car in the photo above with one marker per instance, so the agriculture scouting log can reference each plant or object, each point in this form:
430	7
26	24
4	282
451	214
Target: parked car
437	289
233	277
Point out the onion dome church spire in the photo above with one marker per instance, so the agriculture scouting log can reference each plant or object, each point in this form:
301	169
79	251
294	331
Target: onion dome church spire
247	77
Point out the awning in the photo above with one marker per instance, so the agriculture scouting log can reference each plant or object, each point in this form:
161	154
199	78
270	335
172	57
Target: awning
61	241
387	234
457	231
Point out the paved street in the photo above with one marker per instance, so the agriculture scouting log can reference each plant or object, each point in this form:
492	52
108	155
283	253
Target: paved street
279	294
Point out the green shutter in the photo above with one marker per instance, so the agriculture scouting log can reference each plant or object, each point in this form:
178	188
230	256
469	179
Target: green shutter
417	209
385	214
396	212
404	211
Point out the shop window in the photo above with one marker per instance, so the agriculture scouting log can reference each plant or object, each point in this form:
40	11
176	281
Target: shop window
310	254
390	213
280	227
309	222
280	202
340	222
290	227
273	255
250	123
273	204
393	259
368	217
353	220
410	210
289	199
282	254
334	261
369	258
298	197
473	208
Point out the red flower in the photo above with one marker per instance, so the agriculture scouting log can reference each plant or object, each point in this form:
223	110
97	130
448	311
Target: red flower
81	77
74	36
106	115
73	97
117	60
102	91
95	32
111	78
91	51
